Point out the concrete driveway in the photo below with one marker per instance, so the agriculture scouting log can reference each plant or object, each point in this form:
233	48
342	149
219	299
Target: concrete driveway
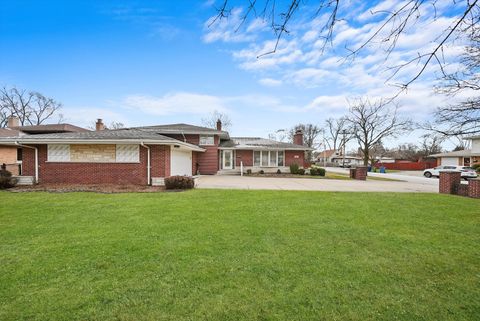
313	184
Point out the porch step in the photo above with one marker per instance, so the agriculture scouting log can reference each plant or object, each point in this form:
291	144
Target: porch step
228	172
25	180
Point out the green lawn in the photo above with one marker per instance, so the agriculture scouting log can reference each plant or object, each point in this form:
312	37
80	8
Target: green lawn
239	255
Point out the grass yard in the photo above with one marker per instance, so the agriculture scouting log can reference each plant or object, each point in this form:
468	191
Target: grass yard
239	255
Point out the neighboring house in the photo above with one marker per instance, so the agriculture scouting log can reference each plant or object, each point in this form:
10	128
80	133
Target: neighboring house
467	157
146	155
348	160
11	156
325	156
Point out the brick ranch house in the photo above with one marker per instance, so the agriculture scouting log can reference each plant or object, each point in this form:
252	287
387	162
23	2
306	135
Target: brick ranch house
467	157
146	155
10	155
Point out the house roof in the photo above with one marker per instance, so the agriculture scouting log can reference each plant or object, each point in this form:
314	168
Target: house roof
184	129
347	157
101	137
50	128
259	143
326	153
8	132
458	153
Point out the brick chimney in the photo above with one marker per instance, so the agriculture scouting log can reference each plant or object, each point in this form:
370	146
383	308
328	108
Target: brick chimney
219	124
298	137
99	125
13	121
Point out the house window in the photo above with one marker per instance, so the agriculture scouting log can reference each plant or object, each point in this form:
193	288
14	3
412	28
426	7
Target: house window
264	158
58	153
256	158
19	154
273	159
127	154
280	158
267	158
207	140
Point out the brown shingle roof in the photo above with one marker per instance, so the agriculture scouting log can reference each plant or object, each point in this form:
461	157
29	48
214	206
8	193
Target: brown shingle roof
8	132
184	129
259	143
51	128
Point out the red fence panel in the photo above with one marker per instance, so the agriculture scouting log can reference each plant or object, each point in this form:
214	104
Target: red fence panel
407	166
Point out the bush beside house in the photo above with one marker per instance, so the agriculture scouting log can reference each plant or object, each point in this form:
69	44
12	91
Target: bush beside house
179	182
6	179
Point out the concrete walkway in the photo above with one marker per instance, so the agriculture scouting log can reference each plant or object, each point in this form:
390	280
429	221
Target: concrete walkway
313	184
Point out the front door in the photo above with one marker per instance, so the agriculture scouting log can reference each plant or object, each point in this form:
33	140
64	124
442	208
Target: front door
227	161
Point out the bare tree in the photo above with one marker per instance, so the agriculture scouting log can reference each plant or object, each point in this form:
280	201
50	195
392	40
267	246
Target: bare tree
373	121
211	120
31	108
462	118
431	144
392	25
336	127
116	125
279	135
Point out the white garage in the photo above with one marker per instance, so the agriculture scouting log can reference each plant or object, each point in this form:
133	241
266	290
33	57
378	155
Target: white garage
180	161
450	161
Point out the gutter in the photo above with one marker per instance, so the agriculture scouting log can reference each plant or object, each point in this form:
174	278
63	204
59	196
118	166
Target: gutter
101	142
148	163
36	158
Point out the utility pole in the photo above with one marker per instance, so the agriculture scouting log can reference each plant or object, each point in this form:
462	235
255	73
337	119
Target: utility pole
344	133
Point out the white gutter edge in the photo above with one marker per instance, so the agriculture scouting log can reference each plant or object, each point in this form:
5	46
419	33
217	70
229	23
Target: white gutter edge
148	163
36	159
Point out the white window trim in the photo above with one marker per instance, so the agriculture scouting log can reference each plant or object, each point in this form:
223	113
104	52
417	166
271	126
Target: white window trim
268	158
206	144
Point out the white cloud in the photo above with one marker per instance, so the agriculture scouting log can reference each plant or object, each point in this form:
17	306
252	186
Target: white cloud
175	103
227	29
270	82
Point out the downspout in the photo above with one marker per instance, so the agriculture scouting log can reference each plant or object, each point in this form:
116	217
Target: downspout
36	159
184	138
148	163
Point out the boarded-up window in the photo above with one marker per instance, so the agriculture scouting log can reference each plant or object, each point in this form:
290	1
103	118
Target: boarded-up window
58	153
127	154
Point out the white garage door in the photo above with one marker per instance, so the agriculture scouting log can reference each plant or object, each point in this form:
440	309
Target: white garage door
181	162
450	161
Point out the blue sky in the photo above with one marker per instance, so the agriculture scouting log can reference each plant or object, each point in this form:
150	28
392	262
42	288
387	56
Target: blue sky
155	62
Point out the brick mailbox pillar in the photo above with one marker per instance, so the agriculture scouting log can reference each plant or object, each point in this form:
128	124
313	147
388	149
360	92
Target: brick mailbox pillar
448	182
361	173
474	188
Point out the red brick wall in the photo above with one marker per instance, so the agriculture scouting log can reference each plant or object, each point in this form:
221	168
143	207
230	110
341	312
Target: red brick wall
98	173
160	161
246	156
291	159
28	162
448	182
474	188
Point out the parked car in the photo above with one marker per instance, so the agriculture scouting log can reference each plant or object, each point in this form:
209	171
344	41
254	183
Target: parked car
465	171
